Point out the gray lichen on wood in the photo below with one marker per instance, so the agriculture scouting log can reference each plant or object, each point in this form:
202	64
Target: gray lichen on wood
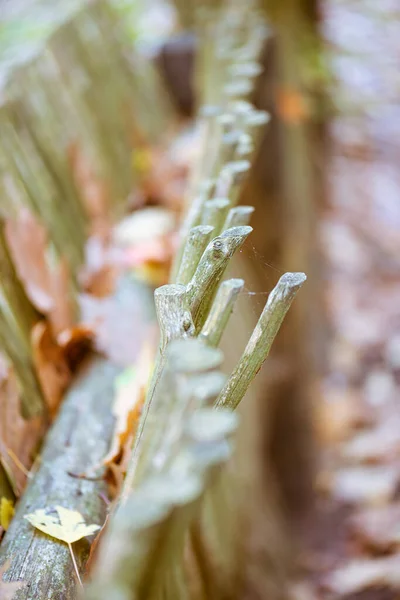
77	442
214	213
212	265
237	216
196	242
220	311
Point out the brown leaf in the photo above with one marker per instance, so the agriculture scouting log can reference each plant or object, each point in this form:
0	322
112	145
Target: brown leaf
8	589
27	240
129	398
291	105
75	343
48	289
51	366
18	437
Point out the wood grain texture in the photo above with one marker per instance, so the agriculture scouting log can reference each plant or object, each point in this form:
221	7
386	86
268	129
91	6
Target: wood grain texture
76	443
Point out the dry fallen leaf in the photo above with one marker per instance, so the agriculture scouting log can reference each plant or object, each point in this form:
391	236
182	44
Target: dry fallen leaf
27	240
6	512
75	343
48	289
69	527
130	389
8	589
18	437
50	363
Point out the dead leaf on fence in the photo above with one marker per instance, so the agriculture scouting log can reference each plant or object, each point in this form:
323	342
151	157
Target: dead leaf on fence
75	342
51	366
8	589
68	526
130	388
6	512
27	240
18	437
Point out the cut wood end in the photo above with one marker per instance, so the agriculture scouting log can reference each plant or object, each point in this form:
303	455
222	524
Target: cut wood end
170	289
293	280
242	231
217	203
200	231
233	284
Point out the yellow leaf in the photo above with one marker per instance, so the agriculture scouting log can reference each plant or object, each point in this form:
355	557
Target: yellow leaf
69	527
6	512
142	160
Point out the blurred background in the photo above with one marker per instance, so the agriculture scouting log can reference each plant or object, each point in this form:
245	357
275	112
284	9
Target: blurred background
99	100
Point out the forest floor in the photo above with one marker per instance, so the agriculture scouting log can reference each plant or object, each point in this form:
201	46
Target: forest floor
353	545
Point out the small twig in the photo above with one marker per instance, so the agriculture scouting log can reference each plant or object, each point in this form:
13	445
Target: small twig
220	311
261	340
75	565
18	463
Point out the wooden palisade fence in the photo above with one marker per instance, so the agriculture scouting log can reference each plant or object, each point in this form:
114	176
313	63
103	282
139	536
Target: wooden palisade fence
178	528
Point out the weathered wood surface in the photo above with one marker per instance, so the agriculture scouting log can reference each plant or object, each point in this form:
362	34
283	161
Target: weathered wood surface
77	442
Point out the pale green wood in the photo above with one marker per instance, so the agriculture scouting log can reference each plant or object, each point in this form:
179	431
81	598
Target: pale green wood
220	311
204	283
261	340
196	242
